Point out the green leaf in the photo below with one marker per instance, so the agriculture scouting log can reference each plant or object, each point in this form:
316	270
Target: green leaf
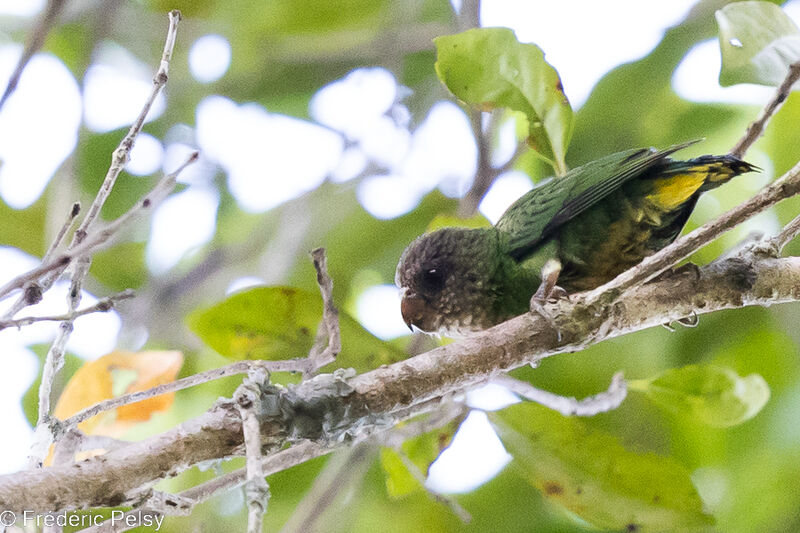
713	395
594	476
276	323
261	323
758	43
489	68
421	451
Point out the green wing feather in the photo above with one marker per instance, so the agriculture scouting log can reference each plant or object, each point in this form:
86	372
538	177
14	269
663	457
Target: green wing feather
534	217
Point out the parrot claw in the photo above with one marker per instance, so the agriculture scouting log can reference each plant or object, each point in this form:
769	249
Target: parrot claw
538	308
548	291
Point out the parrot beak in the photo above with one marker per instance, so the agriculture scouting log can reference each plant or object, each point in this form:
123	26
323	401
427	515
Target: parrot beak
412	307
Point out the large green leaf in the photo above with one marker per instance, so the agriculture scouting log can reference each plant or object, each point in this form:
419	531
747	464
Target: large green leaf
758	42
277	323
489	68
594	476
713	395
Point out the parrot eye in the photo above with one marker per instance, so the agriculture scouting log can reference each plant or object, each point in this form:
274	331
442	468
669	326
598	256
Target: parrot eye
432	280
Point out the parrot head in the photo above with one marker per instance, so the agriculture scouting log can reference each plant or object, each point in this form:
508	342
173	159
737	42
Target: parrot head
447	281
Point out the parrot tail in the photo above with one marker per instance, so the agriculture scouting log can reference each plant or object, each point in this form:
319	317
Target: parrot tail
678	181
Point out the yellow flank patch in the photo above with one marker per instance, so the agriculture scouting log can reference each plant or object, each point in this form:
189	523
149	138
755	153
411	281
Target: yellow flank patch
673	191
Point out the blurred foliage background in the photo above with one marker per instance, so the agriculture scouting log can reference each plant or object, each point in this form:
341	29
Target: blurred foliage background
283	52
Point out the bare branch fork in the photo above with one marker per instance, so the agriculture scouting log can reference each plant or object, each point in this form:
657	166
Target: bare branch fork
80	250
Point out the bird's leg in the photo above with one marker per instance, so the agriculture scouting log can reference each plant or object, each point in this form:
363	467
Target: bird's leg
547	289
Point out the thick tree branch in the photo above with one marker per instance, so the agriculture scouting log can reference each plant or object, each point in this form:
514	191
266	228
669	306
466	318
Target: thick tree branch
336	411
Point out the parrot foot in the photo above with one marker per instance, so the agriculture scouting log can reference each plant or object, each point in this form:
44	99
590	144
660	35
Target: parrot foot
548	292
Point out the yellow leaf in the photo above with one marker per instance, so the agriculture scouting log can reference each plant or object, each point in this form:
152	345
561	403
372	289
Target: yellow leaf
115	374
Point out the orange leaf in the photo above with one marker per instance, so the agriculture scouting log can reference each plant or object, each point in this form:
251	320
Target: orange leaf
113	375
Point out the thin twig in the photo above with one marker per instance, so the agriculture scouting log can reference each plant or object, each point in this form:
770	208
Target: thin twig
394	439
447	501
33	275
35	41
756	128
32	291
589	406
43	433
277	462
446	412
122	153
786	235
119	159
784	187
99	239
103	305
182	503
82	247
74	211
319	356
470	15
248	400
484	173
341	472
239	367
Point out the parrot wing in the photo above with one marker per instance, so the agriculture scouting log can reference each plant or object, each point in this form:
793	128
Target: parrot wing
535	215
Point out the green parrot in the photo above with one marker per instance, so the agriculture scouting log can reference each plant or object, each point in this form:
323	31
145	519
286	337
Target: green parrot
597	220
